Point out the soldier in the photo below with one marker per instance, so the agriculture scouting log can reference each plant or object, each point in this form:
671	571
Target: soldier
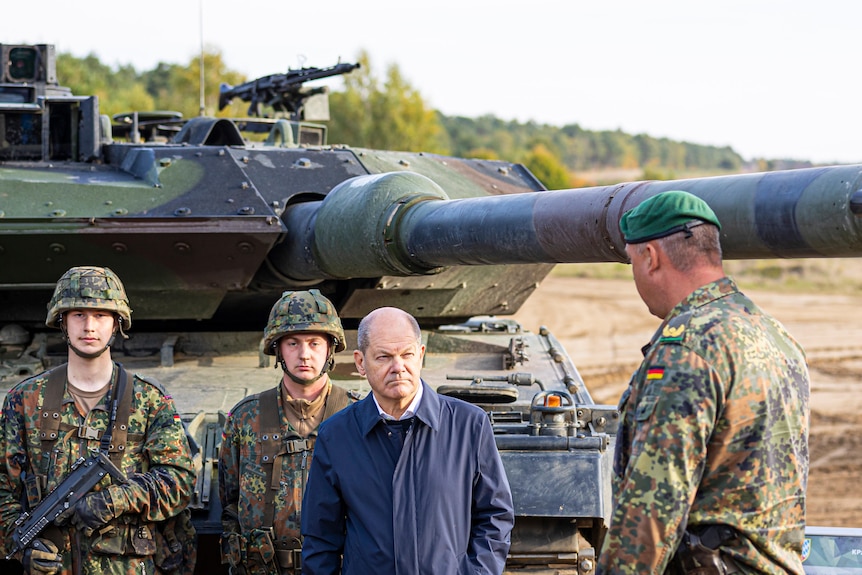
269	437
711	456
52	419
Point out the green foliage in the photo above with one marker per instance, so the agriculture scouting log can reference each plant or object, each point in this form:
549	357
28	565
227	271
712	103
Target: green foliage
547	168
583	150
391	116
166	87
653	173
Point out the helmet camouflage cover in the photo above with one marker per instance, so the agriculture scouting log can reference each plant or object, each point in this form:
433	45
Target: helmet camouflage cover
89	287
302	312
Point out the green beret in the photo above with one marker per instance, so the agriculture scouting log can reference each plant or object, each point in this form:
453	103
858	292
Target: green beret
665	214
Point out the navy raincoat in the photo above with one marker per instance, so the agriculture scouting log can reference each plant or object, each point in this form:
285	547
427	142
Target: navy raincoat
443	506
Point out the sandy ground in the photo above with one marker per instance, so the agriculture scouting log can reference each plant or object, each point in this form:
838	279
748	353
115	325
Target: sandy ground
603	324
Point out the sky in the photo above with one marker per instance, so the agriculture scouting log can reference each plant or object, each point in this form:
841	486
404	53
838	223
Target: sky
769	78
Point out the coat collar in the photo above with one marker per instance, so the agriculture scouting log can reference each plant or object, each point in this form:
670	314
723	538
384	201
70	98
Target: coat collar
428	410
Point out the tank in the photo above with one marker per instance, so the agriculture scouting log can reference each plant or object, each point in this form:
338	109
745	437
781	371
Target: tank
207	230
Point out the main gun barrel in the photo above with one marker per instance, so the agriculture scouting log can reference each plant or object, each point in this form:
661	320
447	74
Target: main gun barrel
401	223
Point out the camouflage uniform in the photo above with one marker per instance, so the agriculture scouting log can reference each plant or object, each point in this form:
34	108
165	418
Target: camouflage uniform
714	430
155	456
243	485
157	462
261	520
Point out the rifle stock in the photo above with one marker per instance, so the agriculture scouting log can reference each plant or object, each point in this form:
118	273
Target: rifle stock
85	474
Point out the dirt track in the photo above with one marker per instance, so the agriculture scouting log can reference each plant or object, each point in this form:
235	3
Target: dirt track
603	324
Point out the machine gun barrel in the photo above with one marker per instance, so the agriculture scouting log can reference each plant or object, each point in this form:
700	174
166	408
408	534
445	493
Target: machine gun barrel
278	89
401	223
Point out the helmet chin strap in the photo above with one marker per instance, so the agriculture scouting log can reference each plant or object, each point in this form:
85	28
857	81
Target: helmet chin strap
83	354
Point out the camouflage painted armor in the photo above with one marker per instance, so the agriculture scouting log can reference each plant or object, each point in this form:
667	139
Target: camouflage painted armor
243	482
714	430
157	462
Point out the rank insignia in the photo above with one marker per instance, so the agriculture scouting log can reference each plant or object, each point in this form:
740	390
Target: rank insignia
672	333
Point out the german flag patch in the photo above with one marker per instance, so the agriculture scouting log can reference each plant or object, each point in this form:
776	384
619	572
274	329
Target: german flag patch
654	373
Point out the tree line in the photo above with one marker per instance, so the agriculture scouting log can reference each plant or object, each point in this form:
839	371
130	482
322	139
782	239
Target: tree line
389	113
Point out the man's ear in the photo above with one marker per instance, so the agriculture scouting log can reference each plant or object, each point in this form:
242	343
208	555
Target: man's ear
359	360
654	257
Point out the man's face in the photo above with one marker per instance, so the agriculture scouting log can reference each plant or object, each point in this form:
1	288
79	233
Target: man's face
90	330
304	354
392	362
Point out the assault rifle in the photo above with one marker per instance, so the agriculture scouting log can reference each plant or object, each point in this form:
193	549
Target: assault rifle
281	91
86	473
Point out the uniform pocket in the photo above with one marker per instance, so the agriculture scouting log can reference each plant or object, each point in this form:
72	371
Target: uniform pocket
252	488
646	407
113	541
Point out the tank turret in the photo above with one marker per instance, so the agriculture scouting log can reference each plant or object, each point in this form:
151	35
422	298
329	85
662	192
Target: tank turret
207	231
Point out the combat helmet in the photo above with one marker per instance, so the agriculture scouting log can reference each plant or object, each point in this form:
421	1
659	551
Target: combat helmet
89	287
302	312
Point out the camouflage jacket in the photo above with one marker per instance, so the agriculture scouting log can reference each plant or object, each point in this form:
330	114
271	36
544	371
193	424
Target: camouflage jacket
242	473
714	429
157	462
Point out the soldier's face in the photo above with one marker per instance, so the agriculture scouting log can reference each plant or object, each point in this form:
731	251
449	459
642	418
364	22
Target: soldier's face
392	362
90	330
304	354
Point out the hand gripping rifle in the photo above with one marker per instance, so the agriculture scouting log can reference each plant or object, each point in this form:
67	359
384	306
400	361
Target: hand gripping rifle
85	474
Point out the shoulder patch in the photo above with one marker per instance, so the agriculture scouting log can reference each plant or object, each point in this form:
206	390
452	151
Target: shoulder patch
154	382
674	331
655	372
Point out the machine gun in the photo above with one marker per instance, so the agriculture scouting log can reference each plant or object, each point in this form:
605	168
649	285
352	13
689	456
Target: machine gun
86	473
281	91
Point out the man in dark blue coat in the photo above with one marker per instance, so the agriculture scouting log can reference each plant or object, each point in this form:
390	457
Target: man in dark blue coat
405	481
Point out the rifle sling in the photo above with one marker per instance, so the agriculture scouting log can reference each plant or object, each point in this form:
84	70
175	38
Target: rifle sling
118	425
